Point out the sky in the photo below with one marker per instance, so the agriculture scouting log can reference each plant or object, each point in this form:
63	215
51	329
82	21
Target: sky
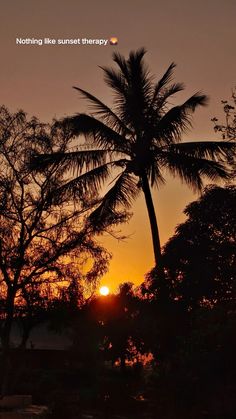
198	35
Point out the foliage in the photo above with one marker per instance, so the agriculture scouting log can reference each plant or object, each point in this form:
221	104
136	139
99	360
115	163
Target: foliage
199	380
41	242
108	328
200	258
228	128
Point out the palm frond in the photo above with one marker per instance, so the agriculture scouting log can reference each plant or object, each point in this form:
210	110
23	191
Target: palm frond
94	129
122	64
116	81
132	86
133	106
136	56
154	174
160	100
103	111
87	183
100	223
163	82
140	81
206	149
77	161
192	170
178	119
138	71
198	99
122	193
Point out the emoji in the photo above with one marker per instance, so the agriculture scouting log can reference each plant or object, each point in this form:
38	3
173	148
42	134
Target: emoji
113	40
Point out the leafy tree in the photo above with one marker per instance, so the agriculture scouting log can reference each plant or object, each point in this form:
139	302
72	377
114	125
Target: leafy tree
41	242
199	267
137	141
200	258
119	315
48	305
31	310
228	127
109	328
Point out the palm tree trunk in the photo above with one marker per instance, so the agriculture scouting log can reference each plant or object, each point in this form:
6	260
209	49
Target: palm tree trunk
153	220
160	283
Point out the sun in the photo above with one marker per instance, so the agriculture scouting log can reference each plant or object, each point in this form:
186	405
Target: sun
104	290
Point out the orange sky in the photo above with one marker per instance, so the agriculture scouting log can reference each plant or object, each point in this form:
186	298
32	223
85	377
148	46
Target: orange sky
198	35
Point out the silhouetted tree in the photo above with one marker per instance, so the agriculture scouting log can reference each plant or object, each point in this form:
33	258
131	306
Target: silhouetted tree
31	310
108	328
200	271
200	259
119	315
228	127
41	242
136	141
53	306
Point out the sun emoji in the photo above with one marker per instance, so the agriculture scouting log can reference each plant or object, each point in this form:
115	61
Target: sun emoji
113	40
104	290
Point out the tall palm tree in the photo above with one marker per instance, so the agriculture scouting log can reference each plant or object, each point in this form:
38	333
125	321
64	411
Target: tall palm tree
136	139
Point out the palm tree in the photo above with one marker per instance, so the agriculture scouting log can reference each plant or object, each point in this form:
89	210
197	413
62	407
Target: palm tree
135	140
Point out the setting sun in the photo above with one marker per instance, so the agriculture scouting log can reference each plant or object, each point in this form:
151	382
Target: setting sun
104	290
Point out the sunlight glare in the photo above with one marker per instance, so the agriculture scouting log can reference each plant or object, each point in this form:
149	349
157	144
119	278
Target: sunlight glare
104	291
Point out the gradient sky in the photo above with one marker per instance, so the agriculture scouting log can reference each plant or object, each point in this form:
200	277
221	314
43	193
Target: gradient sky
198	35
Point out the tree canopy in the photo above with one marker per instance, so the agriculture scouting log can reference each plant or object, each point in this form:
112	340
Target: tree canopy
200	259
42	242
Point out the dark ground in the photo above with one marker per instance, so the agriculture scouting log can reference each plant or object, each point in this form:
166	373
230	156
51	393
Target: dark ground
71	391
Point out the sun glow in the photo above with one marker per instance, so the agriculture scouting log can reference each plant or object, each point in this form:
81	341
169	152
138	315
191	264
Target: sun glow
104	291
